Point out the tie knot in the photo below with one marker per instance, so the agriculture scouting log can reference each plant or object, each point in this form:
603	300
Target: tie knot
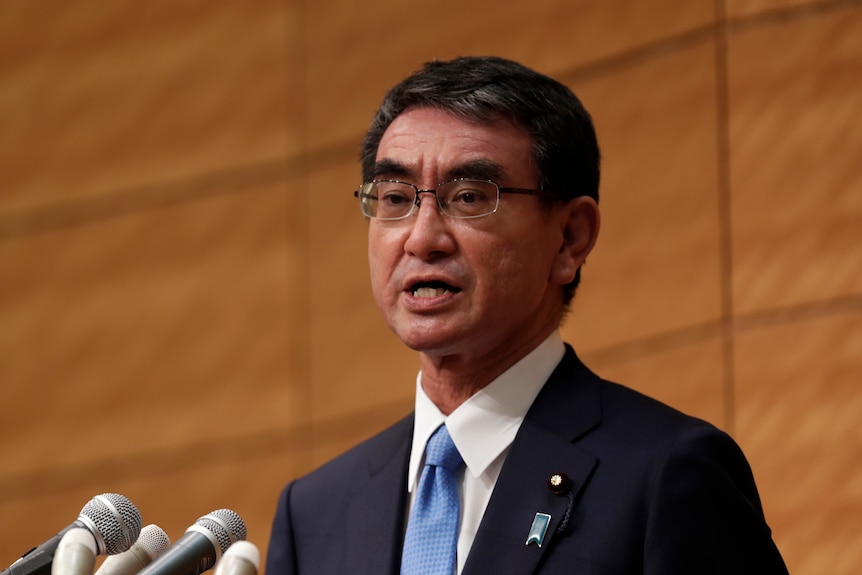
441	450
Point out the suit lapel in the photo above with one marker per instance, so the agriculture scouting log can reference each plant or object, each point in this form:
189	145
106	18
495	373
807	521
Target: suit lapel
567	408
377	511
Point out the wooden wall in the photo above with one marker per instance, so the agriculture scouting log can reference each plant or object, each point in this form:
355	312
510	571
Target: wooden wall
185	315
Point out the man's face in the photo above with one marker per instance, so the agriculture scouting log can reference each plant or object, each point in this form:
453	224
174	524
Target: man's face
483	289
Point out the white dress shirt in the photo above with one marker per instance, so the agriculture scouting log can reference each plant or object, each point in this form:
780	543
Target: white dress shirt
482	428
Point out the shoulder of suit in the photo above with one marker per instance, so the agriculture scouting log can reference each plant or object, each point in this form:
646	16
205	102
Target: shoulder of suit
370	452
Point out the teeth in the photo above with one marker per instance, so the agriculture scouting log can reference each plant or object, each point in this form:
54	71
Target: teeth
429	291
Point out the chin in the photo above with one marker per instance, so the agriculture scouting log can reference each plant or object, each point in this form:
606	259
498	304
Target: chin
430	343
432	334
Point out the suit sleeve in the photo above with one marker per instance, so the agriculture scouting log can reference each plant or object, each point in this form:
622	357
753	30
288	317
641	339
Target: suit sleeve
705	514
281	553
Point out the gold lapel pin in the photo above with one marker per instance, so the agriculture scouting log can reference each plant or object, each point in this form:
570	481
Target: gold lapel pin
558	483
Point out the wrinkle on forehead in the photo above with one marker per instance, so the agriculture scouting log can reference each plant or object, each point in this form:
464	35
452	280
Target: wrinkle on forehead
479	169
427	146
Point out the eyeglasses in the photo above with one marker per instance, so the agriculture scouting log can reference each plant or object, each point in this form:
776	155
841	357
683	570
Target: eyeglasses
461	198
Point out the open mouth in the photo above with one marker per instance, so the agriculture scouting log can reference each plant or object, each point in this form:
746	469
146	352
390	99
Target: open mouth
432	289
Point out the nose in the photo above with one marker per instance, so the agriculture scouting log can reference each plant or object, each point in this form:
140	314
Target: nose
429	236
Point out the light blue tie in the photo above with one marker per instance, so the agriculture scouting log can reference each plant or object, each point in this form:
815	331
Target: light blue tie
432	532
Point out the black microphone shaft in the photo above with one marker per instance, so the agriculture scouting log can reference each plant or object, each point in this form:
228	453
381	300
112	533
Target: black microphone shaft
192	554
38	560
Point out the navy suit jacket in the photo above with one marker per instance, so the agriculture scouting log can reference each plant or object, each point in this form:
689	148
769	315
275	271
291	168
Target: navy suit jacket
652	491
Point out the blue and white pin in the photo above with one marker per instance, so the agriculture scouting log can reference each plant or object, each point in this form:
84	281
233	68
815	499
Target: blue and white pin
538	529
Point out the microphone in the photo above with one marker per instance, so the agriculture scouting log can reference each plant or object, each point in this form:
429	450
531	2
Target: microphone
76	553
152	542
242	558
112	520
200	546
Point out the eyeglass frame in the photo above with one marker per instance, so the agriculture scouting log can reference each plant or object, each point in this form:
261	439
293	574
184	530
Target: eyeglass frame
417	200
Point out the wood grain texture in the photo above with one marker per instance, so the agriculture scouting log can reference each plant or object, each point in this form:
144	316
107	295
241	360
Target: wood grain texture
185	315
656	264
795	144
798	409
102	97
374	46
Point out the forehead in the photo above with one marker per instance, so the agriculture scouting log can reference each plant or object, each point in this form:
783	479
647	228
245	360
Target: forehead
434	143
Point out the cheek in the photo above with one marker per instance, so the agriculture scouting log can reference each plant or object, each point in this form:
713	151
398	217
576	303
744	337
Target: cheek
382	258
514	273
378	272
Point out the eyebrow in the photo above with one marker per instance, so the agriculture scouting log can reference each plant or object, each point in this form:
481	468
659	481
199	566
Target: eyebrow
477	170
474	169
390	169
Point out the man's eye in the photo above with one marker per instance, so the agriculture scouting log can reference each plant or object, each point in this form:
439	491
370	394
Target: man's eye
468	197
395	198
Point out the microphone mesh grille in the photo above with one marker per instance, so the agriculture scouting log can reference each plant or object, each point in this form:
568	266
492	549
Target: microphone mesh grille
154	541
226	525
117	520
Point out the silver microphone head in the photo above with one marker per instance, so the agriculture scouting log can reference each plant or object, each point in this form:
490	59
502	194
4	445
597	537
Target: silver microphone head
114	520
223	528
226	525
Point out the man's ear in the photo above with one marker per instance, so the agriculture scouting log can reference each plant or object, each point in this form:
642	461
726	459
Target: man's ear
580	221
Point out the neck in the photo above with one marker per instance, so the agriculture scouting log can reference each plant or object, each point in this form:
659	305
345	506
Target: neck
450	380
447	390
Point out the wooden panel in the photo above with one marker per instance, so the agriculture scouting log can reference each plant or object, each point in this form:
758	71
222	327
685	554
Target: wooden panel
796	137
103	96
355	40
799	406
748	8
152	298
150	329
656	264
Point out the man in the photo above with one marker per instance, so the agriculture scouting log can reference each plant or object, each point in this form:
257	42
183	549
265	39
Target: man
481	193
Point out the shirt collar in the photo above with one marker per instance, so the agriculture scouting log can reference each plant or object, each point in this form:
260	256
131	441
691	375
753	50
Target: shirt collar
485	425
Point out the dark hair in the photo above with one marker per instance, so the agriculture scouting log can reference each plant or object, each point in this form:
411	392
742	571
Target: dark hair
485	89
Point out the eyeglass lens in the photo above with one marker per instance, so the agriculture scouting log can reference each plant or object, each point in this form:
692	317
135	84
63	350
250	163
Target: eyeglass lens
457	199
